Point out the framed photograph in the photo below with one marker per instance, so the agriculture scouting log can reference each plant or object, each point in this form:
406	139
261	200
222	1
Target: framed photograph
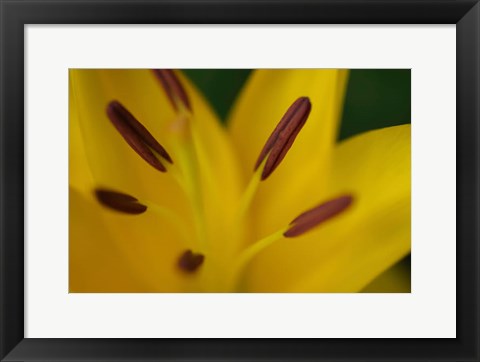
240	180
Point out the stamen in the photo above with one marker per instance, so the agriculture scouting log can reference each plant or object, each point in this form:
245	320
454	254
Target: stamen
283	135
120	202
190	261
128	204
174	89
171	216
298	226
318	215
245	201
136	135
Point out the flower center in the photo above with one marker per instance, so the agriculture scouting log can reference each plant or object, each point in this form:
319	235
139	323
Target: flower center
186	173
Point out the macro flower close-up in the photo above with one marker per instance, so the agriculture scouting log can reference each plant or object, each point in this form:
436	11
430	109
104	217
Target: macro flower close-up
165	197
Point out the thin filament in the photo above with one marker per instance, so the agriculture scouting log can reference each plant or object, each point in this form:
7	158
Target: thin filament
249	193
172	217
253	250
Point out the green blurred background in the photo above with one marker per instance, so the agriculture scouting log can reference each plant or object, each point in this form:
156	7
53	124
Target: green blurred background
375	98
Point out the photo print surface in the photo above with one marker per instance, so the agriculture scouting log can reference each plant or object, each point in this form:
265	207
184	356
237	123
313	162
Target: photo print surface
239	181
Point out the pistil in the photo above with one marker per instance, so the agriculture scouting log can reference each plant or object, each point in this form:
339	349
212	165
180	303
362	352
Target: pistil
185	148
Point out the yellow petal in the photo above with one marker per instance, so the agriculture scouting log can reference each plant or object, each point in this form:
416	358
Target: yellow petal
112	162
350	250
114	165
114	252
266	97
80	175
397	279
218	167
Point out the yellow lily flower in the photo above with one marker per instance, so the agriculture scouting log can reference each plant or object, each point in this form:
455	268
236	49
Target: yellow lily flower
164	199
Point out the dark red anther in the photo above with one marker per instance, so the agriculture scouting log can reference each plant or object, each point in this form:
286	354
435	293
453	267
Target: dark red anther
283	135
173	87
318	215
136	135
119	201
190	261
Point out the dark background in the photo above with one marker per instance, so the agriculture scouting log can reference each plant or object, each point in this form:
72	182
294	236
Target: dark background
375	98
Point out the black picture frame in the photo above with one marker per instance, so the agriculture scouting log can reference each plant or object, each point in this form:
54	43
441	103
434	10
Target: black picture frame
16	13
